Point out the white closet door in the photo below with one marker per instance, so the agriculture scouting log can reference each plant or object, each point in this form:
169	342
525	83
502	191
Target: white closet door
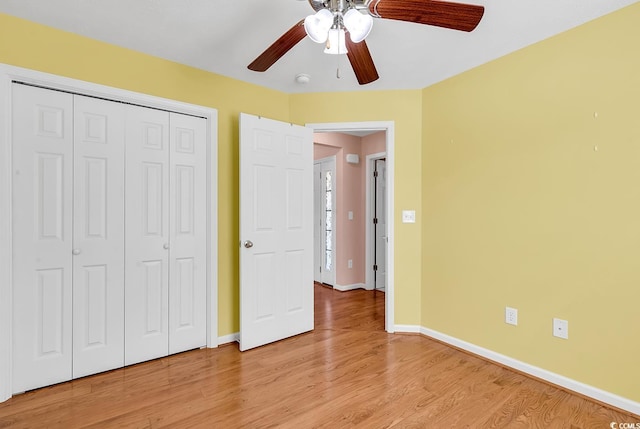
42	228
188	234
98	236
147	234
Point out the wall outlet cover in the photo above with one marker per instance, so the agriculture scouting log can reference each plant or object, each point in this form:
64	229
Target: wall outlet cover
560	328
511	316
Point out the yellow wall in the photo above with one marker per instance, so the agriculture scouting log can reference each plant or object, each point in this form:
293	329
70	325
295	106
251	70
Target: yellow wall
29	45
521	210
404	108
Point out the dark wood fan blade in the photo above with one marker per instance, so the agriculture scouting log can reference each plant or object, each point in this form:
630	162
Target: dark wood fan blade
361	61
280	47
457	16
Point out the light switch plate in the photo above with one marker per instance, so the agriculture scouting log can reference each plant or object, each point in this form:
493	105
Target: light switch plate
408	216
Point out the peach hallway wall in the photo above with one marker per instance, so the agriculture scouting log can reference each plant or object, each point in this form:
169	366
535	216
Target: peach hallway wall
349	197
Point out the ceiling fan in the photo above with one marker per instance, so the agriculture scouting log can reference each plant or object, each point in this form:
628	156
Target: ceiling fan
334	19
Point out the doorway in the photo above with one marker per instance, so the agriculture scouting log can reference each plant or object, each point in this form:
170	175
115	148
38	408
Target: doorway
388	128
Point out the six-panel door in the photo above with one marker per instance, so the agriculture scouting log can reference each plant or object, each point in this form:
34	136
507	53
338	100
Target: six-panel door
97	283
42	236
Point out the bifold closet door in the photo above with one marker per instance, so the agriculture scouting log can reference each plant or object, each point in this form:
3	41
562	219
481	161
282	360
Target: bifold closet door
42	146
187	233
98	236
147	234
165	234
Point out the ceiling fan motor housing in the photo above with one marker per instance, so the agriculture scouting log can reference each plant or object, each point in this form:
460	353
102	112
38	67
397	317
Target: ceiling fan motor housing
338	5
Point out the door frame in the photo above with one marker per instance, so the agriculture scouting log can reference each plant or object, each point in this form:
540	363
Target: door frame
369	232
9	74
388	127
331	162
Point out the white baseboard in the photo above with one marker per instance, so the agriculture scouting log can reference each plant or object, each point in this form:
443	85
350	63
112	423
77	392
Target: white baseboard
344	288
231	338
557	379
412	329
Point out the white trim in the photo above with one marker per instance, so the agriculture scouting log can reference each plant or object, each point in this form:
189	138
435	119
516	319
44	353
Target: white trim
387	126
6	298
231	338
370	159
10	73
551	377
344	288
212	231
408	329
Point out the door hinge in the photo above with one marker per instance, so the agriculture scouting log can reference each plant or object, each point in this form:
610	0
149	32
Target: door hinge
375	173
375	220
375	268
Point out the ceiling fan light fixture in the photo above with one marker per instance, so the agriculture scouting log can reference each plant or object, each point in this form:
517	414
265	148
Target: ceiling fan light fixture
317	25
358	25
336	43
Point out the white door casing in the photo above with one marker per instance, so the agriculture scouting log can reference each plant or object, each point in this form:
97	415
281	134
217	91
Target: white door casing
98	236
276	231
42	237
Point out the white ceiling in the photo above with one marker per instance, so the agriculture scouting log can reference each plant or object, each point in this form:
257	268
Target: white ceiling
225	36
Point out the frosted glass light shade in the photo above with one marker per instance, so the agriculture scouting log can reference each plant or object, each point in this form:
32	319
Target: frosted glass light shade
359	25
317	26
336	43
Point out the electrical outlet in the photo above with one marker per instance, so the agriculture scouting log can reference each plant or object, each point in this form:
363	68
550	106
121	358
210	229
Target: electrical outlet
560	328
511	315
350	263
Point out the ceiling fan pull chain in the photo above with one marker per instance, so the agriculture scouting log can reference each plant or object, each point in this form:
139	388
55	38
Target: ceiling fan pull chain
338	66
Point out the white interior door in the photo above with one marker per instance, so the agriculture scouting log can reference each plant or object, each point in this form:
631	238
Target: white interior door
276	231
187	233
98	236
147	234
324	234
328	235
318	206
380	224
42	236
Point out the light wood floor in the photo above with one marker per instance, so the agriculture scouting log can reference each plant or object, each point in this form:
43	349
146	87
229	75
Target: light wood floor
347	372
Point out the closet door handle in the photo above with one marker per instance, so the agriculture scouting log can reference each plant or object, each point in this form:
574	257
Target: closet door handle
76	251
165	246
248	244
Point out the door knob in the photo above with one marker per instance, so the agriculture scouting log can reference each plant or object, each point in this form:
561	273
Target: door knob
248	244
165	246
76	251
